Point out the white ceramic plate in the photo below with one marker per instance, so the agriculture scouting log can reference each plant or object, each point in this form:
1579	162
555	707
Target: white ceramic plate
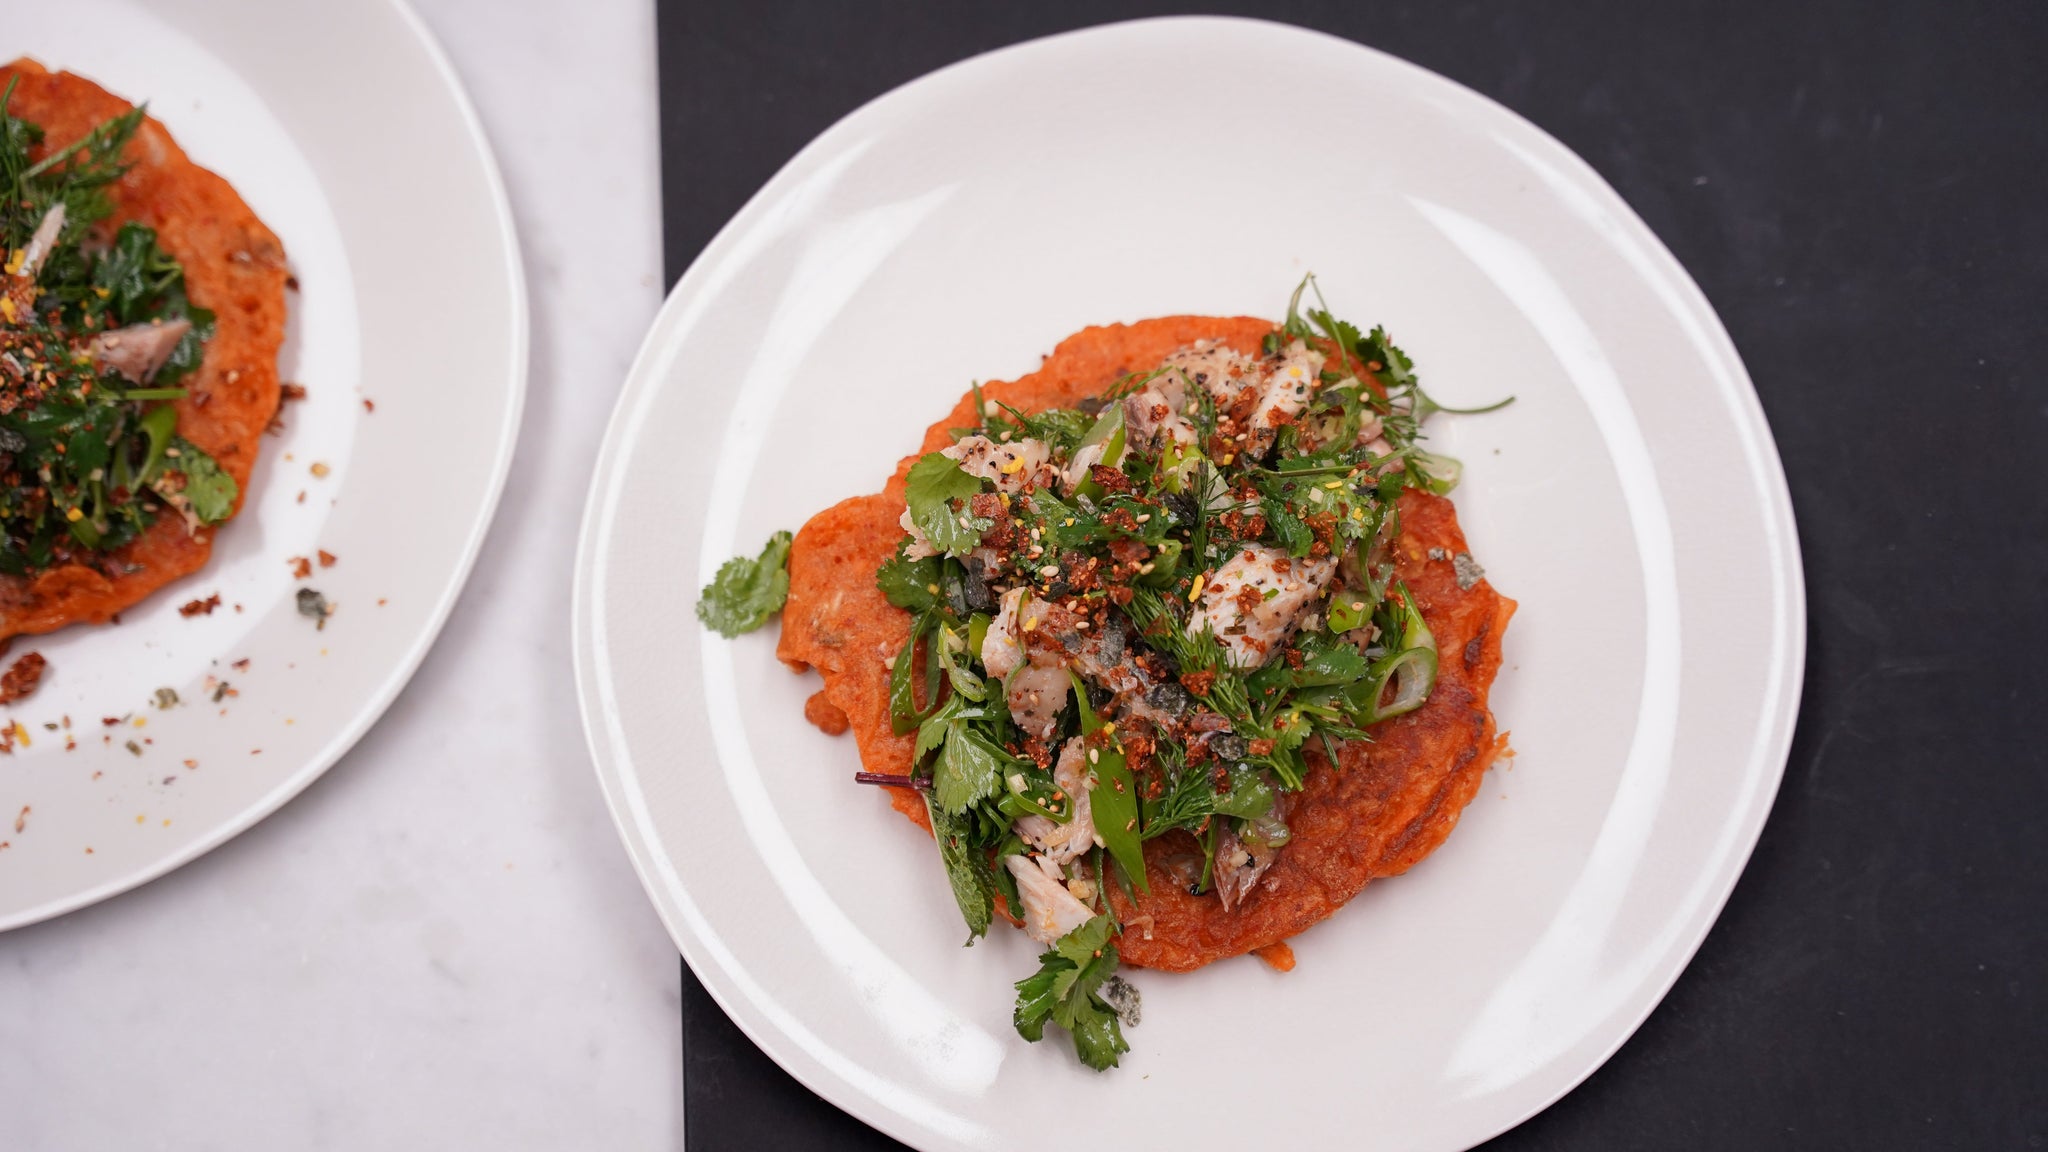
1631	501
346	131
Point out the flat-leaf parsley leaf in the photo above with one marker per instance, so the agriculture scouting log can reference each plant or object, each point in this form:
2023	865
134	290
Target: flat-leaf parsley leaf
1066	989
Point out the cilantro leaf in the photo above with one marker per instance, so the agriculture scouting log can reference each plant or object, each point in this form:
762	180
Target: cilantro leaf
1379	346
209	493
745	593
934	483
967	867
1067	989
909	584
1289	530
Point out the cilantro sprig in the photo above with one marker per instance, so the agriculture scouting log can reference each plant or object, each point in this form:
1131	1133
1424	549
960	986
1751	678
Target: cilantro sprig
935	490
746	593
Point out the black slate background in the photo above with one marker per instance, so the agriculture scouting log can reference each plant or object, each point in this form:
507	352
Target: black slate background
1860	189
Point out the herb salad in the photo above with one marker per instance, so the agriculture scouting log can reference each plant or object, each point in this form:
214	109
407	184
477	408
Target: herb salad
96	332
1144	617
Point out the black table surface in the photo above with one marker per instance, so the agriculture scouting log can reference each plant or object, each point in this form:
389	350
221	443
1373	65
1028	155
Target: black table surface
1861	188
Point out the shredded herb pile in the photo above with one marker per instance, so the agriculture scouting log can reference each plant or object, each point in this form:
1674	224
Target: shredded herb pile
1200	560
89	457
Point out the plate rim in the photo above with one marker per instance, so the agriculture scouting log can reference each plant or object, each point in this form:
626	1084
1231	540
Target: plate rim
1777	718
401	673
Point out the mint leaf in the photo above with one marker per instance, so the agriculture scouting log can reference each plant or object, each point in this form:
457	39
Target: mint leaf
745	593
934	483
970	768
967	868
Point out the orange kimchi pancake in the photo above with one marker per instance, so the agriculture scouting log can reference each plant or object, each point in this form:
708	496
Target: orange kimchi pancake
1173	645
141	312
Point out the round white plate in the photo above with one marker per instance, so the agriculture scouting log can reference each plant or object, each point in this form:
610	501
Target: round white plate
1631	500
346	131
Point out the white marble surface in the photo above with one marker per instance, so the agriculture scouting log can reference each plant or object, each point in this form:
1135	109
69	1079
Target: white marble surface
440	944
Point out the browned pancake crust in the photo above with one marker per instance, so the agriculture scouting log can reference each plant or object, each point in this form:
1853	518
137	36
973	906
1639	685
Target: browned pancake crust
1388	804
234	266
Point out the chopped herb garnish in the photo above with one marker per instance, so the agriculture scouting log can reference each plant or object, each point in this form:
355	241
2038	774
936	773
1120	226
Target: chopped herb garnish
1199	561
96	332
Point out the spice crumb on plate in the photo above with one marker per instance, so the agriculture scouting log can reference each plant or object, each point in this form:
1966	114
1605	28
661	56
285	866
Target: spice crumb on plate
200	607
22	678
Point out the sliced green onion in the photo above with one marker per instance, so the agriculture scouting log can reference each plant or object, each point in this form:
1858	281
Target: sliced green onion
977	632
1018	801
1108	432
1348	610
1441	473
1165	566
1411	672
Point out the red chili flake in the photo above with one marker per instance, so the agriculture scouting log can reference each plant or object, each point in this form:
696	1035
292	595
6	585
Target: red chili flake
1198	683
1261	747
201	607
290	392
326	558
1294	657
21	680
241	665
301	567
21	820
369	405
1111	479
